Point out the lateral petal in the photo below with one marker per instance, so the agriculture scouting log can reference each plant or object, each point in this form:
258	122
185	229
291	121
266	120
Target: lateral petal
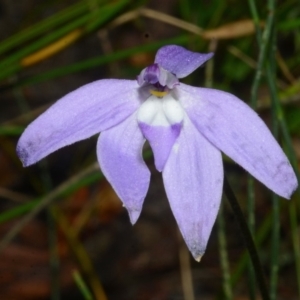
119	151
180	61
233	127
193	179
78	115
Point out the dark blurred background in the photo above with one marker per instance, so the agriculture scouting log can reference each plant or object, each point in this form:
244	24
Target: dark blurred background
80	233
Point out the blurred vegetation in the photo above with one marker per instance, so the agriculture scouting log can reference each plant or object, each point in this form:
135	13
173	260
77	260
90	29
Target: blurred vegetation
64	232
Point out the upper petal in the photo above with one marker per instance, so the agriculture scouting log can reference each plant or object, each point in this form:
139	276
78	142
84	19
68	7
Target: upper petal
78	115
233	127
180	61
193	179
119	153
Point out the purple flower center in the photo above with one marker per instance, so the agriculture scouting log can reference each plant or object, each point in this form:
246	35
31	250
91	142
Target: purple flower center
160	79
152	74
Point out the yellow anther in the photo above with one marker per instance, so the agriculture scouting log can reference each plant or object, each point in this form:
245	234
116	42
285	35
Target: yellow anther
158	93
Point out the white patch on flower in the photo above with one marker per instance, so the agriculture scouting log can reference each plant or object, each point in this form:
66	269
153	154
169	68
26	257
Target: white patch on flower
164	111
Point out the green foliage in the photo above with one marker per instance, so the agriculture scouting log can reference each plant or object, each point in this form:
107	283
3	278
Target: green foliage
292	115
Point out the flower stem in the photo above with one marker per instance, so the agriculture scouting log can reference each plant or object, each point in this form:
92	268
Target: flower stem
248	240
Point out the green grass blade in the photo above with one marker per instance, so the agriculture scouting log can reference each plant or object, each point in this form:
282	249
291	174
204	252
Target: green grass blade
87	295
11	130
87	22
227	288
39	28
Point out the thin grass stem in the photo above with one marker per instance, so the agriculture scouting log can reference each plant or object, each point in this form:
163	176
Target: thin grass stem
282	123
97	61
248	240
81	255
263	40
275	199
227	288
82	285
41	27
87	23
44	202
54	257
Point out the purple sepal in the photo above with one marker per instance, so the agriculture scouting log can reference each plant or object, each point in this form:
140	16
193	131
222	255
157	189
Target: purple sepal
80	114
193	179
179	61
119	153
234	128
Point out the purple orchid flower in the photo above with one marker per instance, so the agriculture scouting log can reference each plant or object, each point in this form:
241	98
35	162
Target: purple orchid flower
187	128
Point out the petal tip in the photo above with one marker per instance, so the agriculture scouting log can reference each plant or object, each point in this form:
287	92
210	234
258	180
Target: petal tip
133	216
292	191
210	55
197	251
23	156
198	258
196	248
159	165
289	183
197	254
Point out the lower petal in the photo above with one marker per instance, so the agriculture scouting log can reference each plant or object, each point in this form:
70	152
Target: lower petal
193	179
119	153
161	140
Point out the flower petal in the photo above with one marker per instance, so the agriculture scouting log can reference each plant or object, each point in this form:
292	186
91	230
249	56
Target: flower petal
160	120
193	179
119	153
233	127
77	116
180	61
